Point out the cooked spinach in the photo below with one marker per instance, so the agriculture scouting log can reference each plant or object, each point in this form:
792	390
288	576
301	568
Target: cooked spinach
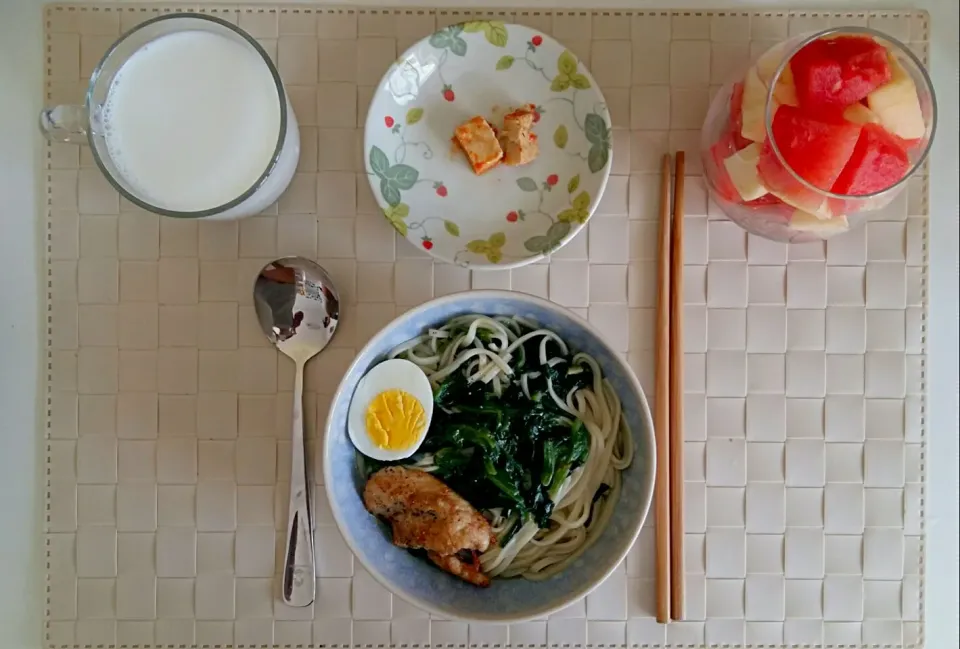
451	460
510	451
551	450
598	495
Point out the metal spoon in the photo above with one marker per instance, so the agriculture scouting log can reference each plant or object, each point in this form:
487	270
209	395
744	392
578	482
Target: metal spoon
298	308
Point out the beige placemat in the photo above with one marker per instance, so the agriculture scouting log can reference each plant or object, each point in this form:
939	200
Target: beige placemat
805	365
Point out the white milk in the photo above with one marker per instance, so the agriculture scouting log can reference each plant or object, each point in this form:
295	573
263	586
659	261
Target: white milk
191	122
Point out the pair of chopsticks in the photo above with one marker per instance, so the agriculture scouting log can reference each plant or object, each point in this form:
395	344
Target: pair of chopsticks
668	406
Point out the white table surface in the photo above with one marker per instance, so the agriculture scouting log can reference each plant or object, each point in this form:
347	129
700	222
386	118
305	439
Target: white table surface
21	378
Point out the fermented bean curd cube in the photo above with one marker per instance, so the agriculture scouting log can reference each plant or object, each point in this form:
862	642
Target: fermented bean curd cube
519	144
479	142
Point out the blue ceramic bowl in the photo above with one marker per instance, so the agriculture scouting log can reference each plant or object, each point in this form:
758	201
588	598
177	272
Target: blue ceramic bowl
507	600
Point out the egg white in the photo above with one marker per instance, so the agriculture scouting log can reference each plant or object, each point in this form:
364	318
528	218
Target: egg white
394	374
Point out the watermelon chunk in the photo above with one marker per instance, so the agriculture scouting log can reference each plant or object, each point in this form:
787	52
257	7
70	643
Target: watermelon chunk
815	149
832	73
879	161
766	199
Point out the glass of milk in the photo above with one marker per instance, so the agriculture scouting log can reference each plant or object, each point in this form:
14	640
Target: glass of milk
187	117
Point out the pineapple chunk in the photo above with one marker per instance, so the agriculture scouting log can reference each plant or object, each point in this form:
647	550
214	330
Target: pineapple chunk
860	114
785	92
769	60
742	169
896	104
821	211
805	222
754	105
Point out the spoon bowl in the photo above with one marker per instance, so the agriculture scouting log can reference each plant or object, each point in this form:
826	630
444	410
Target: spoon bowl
298	308
297	305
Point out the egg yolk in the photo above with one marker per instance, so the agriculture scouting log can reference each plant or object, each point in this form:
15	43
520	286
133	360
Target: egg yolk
395	420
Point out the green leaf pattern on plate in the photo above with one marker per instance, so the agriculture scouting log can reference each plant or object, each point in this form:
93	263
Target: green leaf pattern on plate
393	178
560	136
390	193
579	210
493	30
598	135
567	74
379	162
402	176
491	248
414	115
396	216
505	62
449	39
544	243
527	184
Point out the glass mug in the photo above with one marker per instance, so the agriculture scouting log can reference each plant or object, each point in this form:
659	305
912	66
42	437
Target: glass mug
186	116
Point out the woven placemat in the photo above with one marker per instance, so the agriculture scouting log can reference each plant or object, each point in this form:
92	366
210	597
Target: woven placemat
167	451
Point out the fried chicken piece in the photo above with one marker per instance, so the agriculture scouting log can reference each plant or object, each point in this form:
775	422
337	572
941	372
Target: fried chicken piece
426	514
468	570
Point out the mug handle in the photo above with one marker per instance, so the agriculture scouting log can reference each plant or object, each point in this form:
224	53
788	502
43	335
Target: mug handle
68	123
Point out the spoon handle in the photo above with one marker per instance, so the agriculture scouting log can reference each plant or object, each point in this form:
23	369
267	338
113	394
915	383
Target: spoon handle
299	575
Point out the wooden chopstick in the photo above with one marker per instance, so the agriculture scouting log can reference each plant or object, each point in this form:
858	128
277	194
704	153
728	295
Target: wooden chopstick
661	411
676	397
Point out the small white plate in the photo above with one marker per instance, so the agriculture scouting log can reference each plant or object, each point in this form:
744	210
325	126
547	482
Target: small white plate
509	216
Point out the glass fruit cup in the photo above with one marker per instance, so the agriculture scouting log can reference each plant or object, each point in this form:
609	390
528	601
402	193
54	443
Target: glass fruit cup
818	132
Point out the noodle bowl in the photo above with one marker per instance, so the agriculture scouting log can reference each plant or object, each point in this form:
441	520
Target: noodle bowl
415	578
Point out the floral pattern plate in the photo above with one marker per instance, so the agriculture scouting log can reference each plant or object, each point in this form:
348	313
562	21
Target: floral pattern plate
509	216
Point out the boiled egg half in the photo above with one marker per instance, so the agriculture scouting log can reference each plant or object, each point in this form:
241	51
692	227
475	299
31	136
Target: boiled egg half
391	411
